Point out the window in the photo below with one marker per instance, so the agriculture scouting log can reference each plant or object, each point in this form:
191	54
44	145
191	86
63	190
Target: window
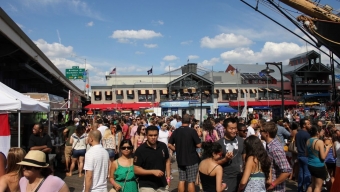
130	94
225	96
233	96
108	95
119	95
97	95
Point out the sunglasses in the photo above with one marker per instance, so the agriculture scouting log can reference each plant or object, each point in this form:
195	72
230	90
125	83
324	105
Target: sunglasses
137	119
244	131
28	167
126	148
143	129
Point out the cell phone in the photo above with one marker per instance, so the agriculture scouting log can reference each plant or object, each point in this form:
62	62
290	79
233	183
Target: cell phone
230	148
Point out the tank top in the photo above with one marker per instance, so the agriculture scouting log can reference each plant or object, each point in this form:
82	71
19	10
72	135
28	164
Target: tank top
313	155
210	137
208	182
256	181
330	158
140	140
109	143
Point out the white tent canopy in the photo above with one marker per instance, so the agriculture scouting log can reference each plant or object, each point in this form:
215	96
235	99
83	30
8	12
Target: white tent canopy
11	100
26	103
7	103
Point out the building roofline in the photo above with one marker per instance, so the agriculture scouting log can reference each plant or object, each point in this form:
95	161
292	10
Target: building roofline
55	71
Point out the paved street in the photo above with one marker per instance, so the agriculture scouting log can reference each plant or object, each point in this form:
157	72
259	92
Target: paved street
76	184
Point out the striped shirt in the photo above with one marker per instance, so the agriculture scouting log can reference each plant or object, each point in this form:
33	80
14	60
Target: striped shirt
220	130
279	163
97	161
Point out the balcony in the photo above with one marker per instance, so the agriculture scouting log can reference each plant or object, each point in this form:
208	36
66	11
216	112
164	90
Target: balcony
312	83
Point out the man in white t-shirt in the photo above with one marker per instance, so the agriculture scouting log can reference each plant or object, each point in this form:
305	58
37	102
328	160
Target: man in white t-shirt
252	127
174	121
101	127
96	165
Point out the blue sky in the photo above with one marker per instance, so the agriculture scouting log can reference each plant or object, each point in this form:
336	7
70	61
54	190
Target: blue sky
135	35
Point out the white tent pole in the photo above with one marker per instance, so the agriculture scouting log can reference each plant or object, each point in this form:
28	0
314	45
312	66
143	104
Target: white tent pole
19	128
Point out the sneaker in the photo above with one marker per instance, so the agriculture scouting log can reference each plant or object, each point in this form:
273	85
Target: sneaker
171	177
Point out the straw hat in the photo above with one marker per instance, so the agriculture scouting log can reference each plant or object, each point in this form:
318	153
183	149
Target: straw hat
34	158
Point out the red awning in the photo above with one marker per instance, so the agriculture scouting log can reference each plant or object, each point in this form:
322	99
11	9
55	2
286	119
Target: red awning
132	106
262	103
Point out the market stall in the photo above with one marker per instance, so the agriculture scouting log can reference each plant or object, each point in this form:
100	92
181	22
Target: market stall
25	104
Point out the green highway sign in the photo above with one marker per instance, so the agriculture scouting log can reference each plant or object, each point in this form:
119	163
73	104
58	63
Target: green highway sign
75	73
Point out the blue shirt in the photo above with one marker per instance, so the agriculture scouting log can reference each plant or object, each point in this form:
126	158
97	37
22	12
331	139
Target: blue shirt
178	124
282	133
300	141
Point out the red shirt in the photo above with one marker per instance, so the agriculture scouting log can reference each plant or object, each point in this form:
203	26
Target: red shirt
126	131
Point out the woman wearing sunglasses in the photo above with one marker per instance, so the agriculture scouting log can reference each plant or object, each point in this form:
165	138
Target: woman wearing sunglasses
37	175
10	181
139	137
122	175
209	172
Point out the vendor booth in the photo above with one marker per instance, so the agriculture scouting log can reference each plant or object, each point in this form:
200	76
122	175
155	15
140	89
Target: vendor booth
12	101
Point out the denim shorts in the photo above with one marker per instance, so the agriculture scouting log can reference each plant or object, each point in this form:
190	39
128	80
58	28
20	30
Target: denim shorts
78	153
111	153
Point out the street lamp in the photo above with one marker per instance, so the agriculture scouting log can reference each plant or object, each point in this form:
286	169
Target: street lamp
268	71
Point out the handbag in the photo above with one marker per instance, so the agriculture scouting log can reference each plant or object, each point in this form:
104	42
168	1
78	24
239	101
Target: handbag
292	147
74	147
122	189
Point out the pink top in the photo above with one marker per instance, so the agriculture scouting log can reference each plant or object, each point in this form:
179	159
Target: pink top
51	184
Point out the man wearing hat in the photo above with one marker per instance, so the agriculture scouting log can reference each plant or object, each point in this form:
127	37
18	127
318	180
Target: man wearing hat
252	127
40	141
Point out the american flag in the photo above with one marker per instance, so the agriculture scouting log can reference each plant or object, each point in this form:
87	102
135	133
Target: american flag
113	71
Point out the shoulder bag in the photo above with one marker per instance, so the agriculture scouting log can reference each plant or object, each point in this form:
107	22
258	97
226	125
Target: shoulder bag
292	147
74	147
37	189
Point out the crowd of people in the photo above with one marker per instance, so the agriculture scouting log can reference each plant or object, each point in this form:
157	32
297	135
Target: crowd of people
134	153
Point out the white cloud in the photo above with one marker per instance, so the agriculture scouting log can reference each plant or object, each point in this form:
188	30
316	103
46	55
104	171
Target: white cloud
276	52
170	58
210	62
21	26
225	41
139	53
13	8
186	42
90	24
54	49
159	22
192	57
150	45
125	35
